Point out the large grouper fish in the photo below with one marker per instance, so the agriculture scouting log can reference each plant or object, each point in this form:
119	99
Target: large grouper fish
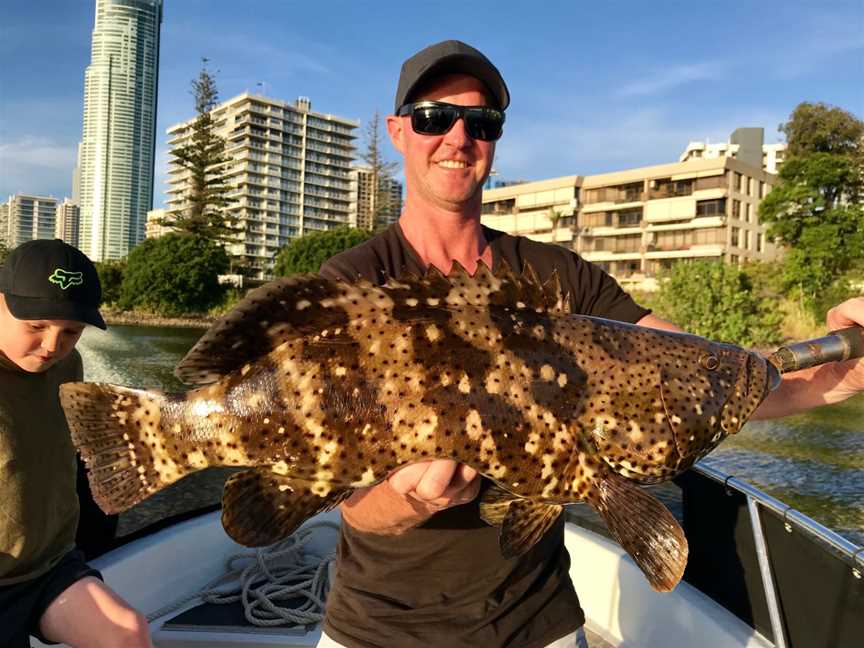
322	387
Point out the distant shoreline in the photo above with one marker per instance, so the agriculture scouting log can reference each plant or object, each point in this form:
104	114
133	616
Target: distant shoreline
138	318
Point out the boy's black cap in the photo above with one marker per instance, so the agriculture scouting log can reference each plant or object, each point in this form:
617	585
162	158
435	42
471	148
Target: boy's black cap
47	279
449	57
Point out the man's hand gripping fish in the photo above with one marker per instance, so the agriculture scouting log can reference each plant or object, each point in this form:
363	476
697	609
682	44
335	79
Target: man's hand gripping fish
322	387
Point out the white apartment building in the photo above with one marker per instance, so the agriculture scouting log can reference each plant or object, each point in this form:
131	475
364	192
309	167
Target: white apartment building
363	200
67	222
29	218
746	144
115	168
289	172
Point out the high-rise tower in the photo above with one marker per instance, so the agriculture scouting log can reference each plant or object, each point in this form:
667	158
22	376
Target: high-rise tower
117	147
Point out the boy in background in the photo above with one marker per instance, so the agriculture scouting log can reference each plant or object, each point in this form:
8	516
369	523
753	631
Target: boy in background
49	292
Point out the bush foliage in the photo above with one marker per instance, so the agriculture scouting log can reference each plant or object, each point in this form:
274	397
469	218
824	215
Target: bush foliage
307	253
174	275
717	301
111	279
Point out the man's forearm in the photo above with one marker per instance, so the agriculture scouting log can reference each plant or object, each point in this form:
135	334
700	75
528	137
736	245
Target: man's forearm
382	510
803	390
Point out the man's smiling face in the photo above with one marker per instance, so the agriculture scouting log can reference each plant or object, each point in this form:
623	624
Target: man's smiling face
446	171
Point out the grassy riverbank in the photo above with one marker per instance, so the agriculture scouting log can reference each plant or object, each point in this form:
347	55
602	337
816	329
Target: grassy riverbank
144	318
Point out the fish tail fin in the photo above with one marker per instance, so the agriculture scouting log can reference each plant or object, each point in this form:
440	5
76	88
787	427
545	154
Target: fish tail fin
120	433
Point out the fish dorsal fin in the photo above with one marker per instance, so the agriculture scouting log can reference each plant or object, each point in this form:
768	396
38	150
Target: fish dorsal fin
260	507
306	305
261	321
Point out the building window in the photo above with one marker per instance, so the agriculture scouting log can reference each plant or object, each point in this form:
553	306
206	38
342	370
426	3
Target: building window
735	237
747	212
711	207
759	243
711	182
737	182
761	190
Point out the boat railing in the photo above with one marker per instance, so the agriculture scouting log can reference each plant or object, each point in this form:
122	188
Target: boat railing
776	597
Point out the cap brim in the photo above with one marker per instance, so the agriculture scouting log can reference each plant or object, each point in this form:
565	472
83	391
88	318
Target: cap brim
33	308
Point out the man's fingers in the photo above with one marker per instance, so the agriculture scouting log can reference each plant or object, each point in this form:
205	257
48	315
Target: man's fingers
405	479
436	479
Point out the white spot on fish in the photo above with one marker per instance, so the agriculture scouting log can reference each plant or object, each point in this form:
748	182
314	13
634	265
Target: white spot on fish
547	372
433	332
465	384
204	407
562	380
411	301
303	304
245	369
280	468
341	371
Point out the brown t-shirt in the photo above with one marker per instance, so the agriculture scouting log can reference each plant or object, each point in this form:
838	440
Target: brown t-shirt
445	582
38	504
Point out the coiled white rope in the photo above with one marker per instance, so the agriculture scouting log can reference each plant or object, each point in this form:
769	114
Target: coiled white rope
265	578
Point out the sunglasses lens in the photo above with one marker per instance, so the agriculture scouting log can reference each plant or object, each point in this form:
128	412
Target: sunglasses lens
432	120
484	126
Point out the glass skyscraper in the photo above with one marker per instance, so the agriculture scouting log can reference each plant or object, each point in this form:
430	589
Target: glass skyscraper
119	137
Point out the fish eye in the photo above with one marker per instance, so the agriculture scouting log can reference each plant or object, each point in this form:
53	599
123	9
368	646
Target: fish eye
709	362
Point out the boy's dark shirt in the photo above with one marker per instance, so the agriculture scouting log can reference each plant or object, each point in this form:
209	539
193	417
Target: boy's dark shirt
38	505
445	582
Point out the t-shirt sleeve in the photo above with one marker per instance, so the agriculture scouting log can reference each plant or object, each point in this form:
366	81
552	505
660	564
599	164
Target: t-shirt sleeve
601	295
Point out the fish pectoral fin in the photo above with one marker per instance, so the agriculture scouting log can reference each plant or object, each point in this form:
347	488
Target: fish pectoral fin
645	528
494	503
260	507
525	523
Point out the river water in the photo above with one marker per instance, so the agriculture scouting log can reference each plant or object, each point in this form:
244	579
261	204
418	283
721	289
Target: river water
814	462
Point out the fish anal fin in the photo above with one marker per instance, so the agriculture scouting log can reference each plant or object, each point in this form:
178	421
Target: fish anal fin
260	507
646	530
525	523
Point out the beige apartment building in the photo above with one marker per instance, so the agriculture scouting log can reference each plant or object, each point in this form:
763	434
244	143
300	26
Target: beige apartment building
288	172
67	222
364	212
634	223
544	210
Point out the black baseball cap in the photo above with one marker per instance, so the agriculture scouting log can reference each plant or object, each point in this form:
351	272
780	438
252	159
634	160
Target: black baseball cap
47	279
450	57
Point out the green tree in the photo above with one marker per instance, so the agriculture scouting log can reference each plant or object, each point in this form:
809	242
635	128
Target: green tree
717	301
4	252
307	253
174	274
206	212
381	169
111	279
820	128
816	209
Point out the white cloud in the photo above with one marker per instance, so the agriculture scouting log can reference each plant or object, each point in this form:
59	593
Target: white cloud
670	77
36	165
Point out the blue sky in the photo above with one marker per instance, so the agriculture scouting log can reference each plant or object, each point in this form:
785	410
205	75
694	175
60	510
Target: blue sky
596	87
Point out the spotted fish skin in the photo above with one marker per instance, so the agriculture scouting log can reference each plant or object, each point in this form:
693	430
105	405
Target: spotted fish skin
325	387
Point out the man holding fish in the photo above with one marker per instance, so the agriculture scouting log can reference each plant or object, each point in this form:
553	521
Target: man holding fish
416	567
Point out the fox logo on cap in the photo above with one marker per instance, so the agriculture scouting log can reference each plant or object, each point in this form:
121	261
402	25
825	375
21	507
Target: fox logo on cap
64	278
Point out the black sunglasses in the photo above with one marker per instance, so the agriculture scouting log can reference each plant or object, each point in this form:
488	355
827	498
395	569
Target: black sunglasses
437	118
